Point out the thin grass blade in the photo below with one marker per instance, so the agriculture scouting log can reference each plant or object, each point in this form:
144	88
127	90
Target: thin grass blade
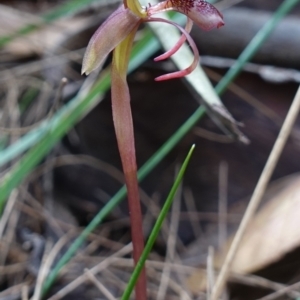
156	229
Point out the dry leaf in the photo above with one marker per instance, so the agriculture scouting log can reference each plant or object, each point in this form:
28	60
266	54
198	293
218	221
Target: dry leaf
274	232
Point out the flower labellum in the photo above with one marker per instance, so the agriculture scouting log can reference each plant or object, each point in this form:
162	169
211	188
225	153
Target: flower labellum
205	15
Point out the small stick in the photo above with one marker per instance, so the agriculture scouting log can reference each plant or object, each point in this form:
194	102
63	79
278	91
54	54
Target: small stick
25	292
281	292
48	259
101	287
258	193
256	281
171	245
223	191
98	268
8	210
58	97
210	272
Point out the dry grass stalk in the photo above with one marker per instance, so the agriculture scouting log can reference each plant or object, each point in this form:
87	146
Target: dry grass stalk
99	285
223	188
281	292
98	268
171	247
7	211
48	261
258	194
210	272
25	292
256	281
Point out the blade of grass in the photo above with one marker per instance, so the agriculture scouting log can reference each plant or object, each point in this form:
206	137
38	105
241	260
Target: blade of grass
148	45
68	8
156	229
50	132
197	79
257	195
255	44
142	50
63	10
51	137
120	195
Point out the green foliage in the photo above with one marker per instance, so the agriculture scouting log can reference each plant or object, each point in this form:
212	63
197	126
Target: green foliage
156	229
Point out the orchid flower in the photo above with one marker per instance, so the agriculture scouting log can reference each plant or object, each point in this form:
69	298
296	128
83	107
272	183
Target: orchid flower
117	34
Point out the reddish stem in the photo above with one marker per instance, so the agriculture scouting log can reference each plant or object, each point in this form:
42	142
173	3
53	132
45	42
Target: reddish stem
125	136
137	235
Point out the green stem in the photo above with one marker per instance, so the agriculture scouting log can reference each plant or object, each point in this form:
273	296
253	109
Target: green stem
155	231
120	195
255	44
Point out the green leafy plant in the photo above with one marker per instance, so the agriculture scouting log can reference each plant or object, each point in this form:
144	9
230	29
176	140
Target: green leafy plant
155	231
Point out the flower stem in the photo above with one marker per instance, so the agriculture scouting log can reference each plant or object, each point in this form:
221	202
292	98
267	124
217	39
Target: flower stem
125	137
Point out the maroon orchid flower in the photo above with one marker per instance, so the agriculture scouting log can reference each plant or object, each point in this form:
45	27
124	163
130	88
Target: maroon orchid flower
117	34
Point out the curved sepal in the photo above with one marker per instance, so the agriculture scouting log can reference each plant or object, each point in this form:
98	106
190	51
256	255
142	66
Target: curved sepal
191	68
111	33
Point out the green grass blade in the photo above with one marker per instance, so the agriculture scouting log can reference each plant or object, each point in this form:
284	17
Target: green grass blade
142	50
140	53
148	46
198	80
120	195
255	44
156	229
53	134
70	7
65	9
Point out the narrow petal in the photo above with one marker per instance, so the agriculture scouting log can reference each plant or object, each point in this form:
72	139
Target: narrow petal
204	14
195	62
118	25
169	53
122	118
